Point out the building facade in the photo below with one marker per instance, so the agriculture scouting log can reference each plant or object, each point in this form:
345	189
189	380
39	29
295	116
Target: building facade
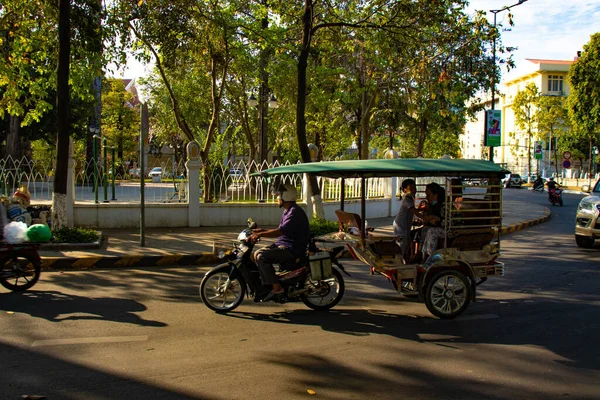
550	77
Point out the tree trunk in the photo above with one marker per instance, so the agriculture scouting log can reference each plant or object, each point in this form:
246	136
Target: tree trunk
59	198
301	105
13	142
422	136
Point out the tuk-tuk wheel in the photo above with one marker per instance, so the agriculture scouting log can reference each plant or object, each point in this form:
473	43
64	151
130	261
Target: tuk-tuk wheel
448	294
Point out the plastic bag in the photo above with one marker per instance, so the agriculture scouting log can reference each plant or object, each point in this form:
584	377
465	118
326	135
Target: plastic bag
39	233
15	232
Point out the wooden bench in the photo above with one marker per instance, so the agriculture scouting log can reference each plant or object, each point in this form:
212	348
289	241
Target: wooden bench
380	244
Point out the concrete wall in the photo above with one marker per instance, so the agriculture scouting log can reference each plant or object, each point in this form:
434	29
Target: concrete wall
175	215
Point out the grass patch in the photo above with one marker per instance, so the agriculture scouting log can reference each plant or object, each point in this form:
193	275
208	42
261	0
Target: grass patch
75	235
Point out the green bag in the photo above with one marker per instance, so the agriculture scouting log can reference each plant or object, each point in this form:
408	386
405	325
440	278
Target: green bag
39	233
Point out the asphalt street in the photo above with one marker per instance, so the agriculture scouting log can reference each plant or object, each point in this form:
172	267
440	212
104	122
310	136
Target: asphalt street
144	333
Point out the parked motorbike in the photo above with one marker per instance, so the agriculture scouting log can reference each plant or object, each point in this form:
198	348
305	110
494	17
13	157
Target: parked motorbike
312	279
20	266
555	196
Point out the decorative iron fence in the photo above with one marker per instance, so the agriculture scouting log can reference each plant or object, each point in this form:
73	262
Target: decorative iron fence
166	181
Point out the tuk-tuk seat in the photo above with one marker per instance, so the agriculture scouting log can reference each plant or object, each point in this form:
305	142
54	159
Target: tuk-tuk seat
473	224
349	220
470	239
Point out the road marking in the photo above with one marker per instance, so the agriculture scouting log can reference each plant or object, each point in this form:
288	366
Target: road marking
89	340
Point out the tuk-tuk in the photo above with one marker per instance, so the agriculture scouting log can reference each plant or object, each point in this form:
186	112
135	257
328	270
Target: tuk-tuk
467	253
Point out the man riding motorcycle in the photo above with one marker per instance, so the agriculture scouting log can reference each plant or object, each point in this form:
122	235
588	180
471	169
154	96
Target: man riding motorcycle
538	182
552	185
293	235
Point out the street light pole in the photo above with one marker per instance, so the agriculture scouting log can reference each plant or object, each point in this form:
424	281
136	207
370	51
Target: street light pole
95	165
495	12
112	152
104	175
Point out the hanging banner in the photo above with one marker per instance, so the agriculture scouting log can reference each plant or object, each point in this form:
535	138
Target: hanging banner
537	150
493	128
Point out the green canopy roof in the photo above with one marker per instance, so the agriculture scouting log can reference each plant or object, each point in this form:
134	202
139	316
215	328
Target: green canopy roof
405	167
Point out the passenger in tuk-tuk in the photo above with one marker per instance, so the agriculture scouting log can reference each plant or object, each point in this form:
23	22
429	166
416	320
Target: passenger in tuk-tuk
433	229
432	211
403	221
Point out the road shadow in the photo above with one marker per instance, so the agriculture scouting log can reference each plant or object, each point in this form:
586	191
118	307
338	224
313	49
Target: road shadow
542	323
56	307
26	372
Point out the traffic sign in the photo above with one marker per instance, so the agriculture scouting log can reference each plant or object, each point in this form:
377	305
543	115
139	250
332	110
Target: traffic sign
566	155
566	164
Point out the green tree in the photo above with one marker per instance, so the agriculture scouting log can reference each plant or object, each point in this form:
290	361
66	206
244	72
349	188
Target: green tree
584	99
120	120
525	107
553	119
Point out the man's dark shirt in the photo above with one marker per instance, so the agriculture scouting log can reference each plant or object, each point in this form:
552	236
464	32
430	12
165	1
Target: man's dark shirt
295	229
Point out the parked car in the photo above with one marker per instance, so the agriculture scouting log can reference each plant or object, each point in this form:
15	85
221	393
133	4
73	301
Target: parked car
156	171
236	174
512	180
134	173
587	219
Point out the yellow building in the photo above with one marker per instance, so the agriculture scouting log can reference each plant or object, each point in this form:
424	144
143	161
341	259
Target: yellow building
550	76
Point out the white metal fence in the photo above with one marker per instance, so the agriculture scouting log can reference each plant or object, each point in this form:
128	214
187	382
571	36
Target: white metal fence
229	182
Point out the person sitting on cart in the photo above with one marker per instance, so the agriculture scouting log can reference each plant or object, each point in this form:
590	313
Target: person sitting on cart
404	219
433	230
432	217
293	235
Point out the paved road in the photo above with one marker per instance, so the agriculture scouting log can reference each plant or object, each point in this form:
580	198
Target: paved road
143	333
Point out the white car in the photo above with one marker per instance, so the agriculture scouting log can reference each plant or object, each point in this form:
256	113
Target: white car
587	219
156	171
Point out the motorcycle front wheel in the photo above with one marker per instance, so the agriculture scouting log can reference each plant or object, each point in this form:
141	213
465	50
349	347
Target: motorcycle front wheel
220	293
323	294
20	272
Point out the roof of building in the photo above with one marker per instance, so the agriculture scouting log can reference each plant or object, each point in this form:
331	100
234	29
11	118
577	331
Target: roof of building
540	61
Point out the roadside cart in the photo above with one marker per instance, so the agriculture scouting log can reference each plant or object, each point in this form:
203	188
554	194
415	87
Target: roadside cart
467	254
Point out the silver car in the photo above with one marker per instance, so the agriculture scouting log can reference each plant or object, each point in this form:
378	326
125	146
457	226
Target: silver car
587	221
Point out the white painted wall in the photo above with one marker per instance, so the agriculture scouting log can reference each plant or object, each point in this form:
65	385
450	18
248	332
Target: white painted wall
175	215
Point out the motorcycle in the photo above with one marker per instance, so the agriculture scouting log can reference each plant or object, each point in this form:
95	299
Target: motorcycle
555	196
20	266
311	279
539	187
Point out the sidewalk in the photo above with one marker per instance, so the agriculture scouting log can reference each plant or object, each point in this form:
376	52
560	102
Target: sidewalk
194	246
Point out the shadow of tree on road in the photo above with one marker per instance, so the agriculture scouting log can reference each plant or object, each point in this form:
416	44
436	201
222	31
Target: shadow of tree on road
56	307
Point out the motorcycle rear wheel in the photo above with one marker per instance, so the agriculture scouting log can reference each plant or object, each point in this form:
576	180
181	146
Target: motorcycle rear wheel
219	297
20	272
324	294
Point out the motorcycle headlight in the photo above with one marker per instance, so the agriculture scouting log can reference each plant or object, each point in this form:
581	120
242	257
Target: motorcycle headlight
224	253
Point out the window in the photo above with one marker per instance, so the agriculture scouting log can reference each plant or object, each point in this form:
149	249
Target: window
555	83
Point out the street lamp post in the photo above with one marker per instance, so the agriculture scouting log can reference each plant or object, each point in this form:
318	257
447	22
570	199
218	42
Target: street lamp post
95	130
264	99
495	12
112	154
261	104
104	175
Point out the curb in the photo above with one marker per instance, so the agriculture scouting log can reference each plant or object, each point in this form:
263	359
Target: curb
526	224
